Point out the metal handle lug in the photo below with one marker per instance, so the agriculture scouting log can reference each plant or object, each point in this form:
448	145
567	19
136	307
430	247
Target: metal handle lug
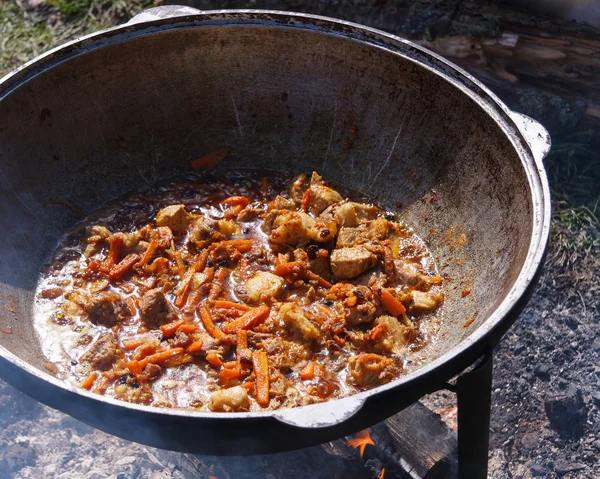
535	134
159	13
321	415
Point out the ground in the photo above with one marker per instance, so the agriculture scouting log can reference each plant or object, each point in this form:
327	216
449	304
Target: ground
546	395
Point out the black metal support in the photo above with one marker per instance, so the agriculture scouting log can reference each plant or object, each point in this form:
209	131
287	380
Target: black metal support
474	397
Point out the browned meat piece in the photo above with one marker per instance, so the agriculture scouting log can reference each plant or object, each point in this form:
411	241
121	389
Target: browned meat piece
395	336
180	340
154	308
369	370
294	317
297	228
175	217
360	305
229	400
350	214
424	302
368	234
205	231
150	373
229	228
297	188
281	203
350	262
102	353
263	285
106	309
283	353
321	196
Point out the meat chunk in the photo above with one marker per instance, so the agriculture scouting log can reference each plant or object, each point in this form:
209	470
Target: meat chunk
150	373
294	317
263	285
369	370
350	262
175	217
321	196
297	228
424	302
205	231
281	203
283	353
229	400
106	309
350	214
360	305
368	234
102	353
154	308
297	188
395	336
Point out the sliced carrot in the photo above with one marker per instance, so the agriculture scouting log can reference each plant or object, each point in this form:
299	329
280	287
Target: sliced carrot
178	360
222	304
260	361
306	201
211	159
170	329
214	359
248	320
157	266
89	381
134	367
217	287
293	267
159	358
149	253
184	291
124	265
114	251
249	385
351	301
229	365
133	343
196	346
236	200
208	323
308	372
393	306
376	331
144	350
243	246
231	374
178	259
188	328
241	347
201	262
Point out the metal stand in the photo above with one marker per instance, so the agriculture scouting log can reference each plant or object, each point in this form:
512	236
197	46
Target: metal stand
474	395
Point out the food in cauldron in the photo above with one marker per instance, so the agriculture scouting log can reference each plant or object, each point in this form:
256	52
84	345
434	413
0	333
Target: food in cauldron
237	294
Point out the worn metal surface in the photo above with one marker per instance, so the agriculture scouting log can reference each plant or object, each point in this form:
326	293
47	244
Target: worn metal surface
118	110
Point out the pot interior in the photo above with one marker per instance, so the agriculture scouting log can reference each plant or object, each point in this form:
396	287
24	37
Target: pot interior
118	118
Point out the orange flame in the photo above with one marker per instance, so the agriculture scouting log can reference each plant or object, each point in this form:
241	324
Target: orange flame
361	440
381	474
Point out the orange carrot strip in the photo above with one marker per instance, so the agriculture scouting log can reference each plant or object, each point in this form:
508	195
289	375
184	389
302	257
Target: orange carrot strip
134	367
248	320
184	291
306	201
149	253
170	329
308	372
293	267
178	260
195	347
260	362
217	286
211	159
157	266
229	365
243	246
214	359
222	304
314	276
241	346
394	307
124	265
130	344
376	331
208	323
178	360
231	374
201	263
249	386
115	243
188	328
236	200
89	381
159	358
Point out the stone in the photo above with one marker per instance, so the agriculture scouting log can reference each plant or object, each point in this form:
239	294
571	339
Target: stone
537	470
542	371
562	466
530	441
567	412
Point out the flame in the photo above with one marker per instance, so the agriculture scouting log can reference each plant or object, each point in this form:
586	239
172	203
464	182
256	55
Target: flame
361	440
381	474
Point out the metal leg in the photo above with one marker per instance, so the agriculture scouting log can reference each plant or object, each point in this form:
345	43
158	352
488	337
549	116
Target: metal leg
474	396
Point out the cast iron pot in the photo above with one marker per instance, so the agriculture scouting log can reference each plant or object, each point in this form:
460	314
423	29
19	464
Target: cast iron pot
117	110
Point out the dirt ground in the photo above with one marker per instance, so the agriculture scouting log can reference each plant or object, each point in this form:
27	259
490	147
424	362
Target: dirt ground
546	394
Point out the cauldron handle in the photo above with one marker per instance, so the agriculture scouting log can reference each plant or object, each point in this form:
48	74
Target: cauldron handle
165	11
535	134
